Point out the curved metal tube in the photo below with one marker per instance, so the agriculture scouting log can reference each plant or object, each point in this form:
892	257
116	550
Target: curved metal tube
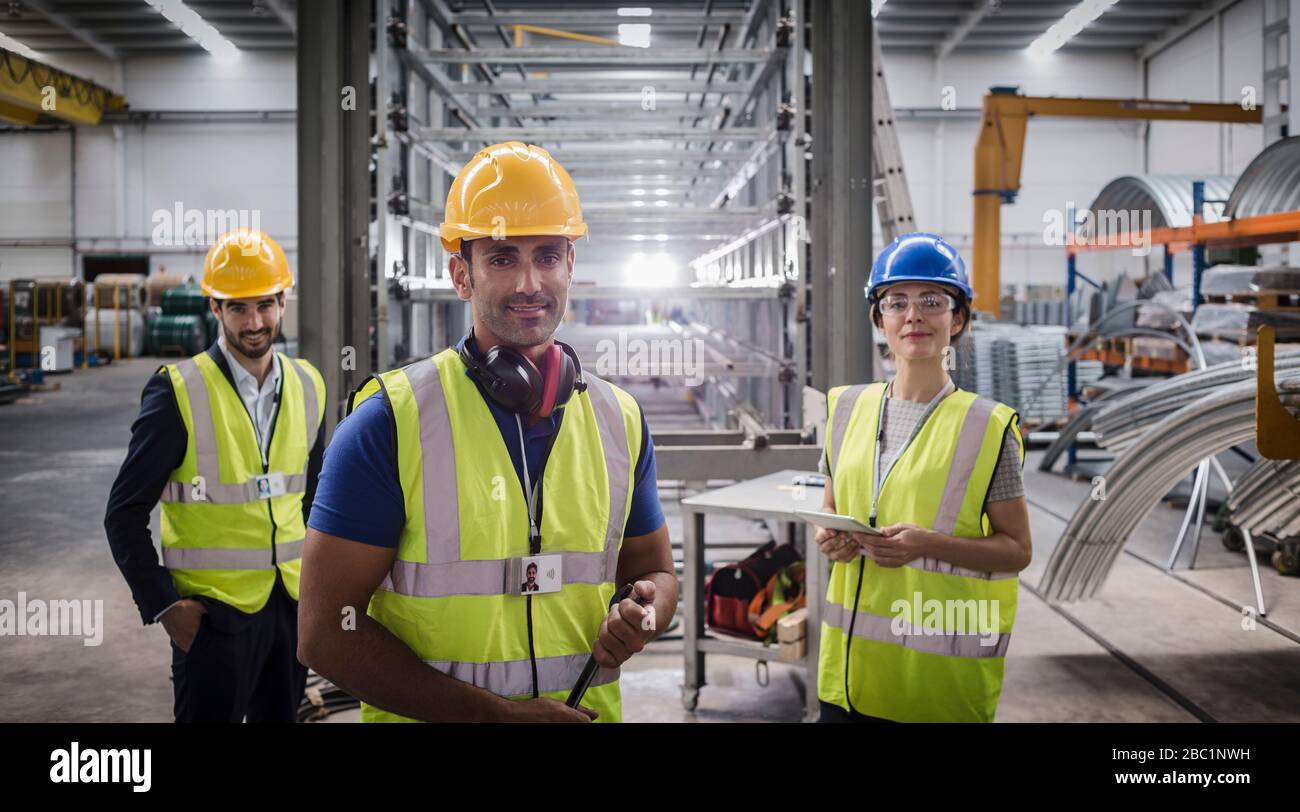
1144	473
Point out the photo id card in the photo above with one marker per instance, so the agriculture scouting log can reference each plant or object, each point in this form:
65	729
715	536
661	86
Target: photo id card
541	574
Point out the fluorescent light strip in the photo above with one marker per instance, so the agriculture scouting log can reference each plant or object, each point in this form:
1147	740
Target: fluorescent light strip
635	12
1069	26
196	28
876	6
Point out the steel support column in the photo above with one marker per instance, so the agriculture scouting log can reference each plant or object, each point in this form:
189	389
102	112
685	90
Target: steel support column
841	191
333	195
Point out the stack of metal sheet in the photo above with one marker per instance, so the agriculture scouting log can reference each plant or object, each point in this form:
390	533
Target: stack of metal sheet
1228	280
1041	311
1019	366
1087	373
1028	377
975	362
1242	298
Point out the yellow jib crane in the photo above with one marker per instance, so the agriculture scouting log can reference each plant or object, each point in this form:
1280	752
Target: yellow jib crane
30	90
1001	145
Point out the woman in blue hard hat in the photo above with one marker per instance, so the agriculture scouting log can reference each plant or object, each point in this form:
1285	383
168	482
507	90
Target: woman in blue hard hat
917	619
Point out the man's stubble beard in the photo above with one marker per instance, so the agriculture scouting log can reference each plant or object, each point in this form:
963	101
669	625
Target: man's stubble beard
498	319
248	352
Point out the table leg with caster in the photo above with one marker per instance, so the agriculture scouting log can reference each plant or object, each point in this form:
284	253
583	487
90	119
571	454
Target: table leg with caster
693	607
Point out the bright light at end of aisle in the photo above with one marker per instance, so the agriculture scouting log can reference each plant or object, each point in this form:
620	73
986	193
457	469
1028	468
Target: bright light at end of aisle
650	270
635	34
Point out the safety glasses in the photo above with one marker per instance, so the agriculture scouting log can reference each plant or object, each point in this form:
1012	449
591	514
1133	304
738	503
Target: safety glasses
929	303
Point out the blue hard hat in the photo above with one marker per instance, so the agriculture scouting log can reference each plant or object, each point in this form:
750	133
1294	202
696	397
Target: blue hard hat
919	257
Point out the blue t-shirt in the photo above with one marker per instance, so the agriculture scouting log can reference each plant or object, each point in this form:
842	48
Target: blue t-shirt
359	497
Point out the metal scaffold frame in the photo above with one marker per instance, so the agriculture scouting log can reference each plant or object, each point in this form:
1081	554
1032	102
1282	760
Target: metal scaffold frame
719	135
721	146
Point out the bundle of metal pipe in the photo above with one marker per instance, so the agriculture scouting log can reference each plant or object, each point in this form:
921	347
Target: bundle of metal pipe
1150	466
1121	422
1266	499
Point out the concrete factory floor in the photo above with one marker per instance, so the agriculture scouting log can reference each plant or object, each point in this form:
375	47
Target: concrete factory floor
1096	660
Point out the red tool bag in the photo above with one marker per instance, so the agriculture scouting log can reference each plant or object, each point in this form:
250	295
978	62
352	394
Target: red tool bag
731	589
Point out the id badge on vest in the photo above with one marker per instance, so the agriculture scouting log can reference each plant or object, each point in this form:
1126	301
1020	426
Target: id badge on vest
537	574
270	485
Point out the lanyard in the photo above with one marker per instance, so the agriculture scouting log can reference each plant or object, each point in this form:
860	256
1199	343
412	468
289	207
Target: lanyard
877	481
531	488
262	442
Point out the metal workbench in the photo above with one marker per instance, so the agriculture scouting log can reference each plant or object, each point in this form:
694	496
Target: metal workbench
768	497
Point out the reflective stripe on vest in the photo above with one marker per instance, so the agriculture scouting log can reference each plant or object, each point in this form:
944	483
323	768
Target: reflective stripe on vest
515	677
840	421
949	643
239	558
214	491
445	573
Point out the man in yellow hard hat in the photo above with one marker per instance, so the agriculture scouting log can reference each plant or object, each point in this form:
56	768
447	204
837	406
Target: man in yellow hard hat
479	509
229	442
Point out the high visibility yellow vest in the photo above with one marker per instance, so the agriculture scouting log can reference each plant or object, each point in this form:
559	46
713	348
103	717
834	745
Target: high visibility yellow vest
222	536
925	641
453	593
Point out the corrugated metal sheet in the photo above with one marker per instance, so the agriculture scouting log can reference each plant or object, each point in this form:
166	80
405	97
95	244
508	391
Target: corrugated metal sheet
1271	183
1167	197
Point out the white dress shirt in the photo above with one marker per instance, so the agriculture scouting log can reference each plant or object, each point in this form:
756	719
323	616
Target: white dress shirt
262	401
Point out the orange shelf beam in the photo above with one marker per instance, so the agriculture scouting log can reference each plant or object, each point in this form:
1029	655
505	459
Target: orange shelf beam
1261	229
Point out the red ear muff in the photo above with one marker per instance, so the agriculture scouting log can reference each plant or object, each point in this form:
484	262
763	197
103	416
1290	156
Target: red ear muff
552	367
509	378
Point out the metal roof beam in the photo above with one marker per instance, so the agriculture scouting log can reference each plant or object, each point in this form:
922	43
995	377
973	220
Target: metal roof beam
562	84
1187	26
537	135
64	22
967	25
280	10
631	57
595	17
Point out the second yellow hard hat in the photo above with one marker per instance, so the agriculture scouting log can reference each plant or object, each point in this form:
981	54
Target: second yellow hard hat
244	264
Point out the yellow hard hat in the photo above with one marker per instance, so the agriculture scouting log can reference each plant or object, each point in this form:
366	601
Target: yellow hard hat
511	190
243	264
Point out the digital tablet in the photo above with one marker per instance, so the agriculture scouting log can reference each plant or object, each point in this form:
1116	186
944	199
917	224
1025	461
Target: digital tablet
836	522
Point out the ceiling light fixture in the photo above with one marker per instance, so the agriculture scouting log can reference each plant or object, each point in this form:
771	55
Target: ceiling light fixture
196	28
1068	27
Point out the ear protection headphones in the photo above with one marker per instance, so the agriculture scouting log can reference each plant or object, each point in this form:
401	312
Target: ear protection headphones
511	379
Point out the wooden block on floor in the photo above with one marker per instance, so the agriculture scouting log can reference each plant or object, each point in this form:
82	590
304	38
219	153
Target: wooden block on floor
793	626
793	652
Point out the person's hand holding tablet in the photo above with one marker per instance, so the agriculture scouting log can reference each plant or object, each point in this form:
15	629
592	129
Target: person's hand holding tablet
837	535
